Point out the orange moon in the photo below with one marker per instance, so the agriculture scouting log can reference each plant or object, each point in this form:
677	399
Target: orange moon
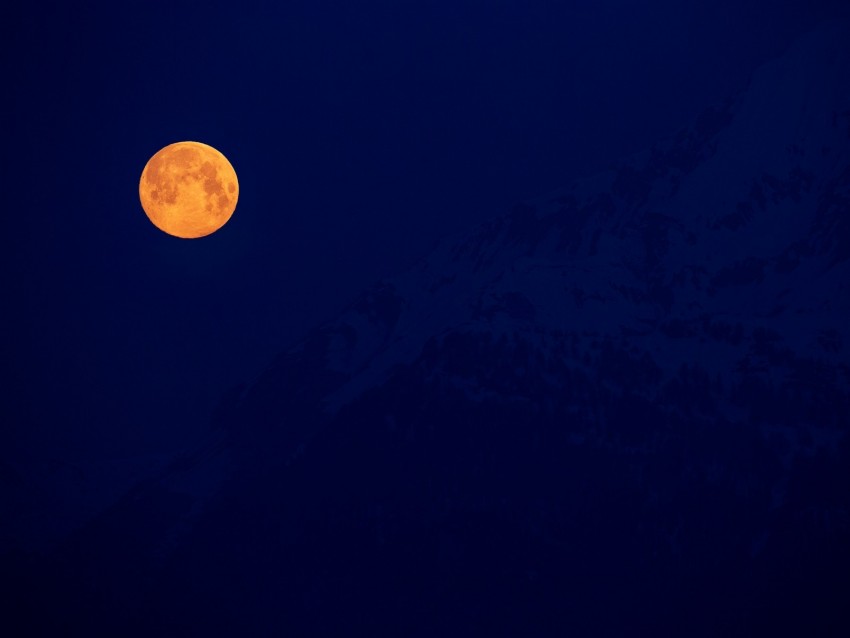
188	190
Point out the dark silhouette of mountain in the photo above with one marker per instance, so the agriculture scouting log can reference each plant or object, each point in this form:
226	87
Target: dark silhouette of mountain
618	410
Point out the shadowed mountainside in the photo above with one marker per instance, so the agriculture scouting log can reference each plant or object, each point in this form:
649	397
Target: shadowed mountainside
620	409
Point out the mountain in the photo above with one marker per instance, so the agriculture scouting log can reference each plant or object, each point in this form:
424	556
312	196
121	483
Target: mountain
619	409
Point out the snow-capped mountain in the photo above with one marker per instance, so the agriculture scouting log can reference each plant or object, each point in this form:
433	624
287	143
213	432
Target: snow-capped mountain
724	249
619	409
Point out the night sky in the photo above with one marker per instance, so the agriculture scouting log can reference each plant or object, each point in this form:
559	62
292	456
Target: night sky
361	133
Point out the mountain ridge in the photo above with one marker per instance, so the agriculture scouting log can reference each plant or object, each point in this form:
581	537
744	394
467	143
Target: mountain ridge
376	318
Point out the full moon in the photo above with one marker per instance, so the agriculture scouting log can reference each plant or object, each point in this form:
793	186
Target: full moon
188	190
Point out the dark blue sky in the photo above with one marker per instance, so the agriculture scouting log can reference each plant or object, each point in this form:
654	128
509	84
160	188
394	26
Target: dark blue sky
361	133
